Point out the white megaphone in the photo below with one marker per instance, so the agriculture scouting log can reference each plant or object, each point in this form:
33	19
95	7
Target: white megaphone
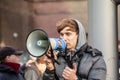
37	43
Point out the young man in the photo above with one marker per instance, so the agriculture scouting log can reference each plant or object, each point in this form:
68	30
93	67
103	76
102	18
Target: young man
80	61
10	64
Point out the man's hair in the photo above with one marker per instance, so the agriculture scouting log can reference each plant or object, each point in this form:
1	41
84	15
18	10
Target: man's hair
67	23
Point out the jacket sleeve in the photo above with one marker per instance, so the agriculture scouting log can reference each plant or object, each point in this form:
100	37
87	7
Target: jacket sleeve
98	70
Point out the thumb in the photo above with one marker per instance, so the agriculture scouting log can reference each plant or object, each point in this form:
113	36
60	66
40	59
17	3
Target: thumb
74	67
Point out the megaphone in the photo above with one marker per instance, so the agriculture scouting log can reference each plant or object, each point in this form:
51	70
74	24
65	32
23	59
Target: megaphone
38	43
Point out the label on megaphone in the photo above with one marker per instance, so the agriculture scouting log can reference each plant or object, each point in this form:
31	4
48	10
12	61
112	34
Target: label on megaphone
58	44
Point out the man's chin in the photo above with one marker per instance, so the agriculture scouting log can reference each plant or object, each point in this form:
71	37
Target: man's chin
68	46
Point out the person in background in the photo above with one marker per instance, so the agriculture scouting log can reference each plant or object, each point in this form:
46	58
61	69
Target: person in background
80	61
39	68
10	64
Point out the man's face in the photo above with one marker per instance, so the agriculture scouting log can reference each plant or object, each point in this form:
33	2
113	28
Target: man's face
13	58
70	37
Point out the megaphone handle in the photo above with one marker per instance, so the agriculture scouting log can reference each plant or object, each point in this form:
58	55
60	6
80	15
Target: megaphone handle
52	55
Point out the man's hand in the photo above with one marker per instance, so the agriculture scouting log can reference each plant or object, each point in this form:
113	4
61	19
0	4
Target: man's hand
50	65
70	74
51	57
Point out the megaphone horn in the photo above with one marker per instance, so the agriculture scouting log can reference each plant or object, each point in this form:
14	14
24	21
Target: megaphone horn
37	42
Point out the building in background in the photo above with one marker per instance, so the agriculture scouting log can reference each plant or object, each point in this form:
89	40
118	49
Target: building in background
19	17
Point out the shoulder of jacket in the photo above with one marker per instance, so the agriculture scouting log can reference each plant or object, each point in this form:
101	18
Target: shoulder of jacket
93	51
32	68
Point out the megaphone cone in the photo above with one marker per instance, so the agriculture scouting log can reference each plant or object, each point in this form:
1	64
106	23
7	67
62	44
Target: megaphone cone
37	42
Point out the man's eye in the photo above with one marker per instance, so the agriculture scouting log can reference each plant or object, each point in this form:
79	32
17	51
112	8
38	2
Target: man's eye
61	35
68	34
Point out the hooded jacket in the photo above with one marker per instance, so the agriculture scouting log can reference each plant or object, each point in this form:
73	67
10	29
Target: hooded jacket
89	61
10	72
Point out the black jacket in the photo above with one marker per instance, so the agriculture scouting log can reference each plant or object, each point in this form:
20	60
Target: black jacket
7	73
89	61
